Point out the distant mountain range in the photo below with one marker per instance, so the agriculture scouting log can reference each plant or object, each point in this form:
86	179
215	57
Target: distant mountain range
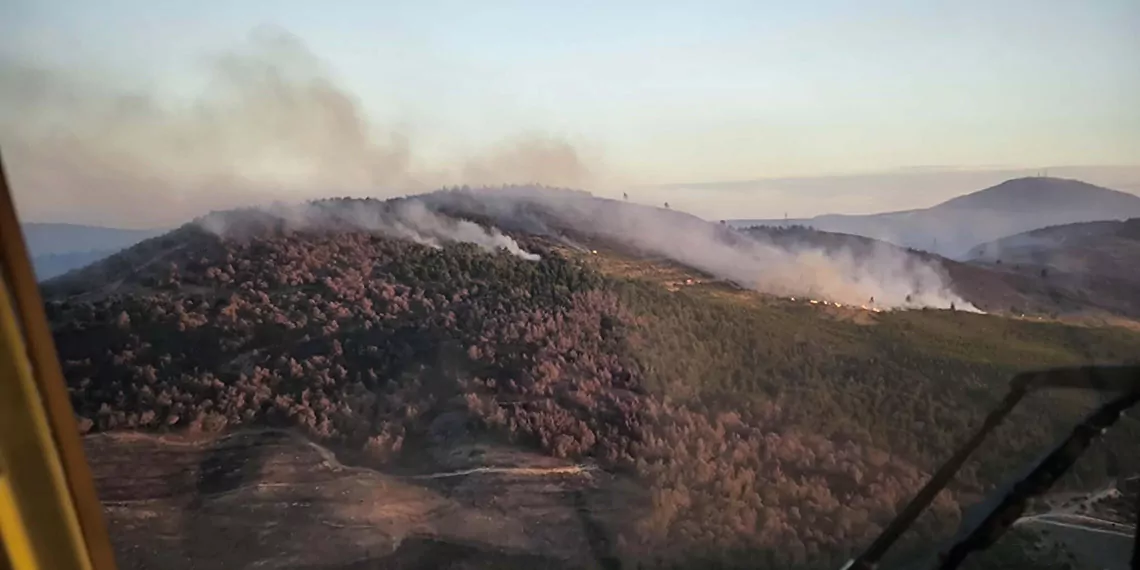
58	248
49	238
953	227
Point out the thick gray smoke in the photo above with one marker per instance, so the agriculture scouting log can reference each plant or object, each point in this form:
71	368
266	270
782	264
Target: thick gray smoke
269	123
889	275
405	219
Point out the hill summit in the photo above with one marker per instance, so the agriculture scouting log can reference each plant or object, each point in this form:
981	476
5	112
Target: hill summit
1037	194
953	227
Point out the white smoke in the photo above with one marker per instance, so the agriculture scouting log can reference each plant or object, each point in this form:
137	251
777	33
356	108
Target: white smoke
891	276
425	223
404	219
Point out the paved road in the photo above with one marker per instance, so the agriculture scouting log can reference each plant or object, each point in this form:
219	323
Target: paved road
1096	543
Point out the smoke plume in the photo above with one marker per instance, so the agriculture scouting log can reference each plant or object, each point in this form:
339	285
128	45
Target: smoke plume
889	275
269	123
402	219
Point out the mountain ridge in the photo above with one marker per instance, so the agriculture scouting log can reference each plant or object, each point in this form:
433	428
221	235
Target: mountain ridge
57	237
1015	194
952	227
56	248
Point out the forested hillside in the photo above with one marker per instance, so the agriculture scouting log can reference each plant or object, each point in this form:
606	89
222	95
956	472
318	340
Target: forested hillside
758	431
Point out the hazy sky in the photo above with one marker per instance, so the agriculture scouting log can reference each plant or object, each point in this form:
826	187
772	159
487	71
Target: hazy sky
665	91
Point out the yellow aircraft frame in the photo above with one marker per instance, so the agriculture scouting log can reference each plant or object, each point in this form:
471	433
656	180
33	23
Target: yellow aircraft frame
50	516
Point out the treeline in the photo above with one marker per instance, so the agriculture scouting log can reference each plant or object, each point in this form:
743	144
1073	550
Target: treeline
756	434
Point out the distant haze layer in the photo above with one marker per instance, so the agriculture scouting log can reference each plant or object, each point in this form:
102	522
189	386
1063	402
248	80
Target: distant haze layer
180	110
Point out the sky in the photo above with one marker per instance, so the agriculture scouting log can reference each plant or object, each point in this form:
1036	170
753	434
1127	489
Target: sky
616	93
